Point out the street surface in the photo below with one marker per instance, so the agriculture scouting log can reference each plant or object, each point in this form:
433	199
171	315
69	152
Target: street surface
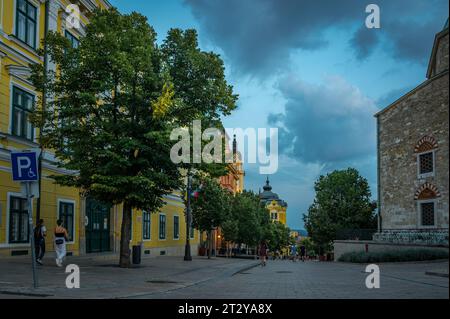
171	277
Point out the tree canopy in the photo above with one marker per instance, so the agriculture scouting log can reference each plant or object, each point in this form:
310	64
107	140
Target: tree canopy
343	200
112	103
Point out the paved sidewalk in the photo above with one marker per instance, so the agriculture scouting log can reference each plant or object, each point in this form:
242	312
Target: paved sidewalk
284	279
102	278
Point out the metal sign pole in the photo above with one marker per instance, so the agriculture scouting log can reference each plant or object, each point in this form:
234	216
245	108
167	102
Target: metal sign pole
31	233
187	248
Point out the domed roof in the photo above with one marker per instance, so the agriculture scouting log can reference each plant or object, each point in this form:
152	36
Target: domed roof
267	195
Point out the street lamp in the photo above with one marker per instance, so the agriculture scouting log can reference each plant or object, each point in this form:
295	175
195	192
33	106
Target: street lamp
187	248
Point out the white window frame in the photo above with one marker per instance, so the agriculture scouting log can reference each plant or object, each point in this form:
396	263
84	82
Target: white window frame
430	174
73	202
143	223
37	4
419	213
7	244
13	84
179	227
159	227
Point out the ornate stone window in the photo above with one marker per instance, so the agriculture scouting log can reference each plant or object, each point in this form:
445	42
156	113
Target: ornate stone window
425	152
427	215
426	197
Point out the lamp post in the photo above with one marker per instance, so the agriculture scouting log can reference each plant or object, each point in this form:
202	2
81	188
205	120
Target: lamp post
187	248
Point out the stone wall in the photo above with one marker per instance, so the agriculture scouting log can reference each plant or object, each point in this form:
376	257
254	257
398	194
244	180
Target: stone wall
441	63
414	236
423	112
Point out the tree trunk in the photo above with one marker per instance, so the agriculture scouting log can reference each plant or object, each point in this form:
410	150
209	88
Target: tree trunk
209	244
125	237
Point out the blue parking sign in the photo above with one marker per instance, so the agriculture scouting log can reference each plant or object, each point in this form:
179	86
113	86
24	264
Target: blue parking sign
24	166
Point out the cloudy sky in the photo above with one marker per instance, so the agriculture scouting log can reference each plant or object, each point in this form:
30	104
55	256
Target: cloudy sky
313	70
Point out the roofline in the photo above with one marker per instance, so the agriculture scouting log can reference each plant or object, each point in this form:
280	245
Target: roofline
437	38
423	84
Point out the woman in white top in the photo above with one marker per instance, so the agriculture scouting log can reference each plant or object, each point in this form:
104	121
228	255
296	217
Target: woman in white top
61	236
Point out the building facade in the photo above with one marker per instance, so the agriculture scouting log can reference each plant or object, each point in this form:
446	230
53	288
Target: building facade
413	158
233	182
93	226
276	206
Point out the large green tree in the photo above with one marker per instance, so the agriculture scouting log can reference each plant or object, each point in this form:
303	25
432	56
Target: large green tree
198	78
210	206
342	201
245	210
106	115
201	91
278	236
249	220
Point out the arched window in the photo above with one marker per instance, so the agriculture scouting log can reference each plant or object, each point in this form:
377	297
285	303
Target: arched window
425	152
426	197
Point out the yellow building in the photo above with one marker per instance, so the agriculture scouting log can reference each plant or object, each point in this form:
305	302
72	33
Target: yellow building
233	181
93	226
276	206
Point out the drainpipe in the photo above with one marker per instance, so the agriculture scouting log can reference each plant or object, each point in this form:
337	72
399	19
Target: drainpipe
44	101
378	176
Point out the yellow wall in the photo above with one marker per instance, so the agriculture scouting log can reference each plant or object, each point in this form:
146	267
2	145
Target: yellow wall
274	207
15	53
173	208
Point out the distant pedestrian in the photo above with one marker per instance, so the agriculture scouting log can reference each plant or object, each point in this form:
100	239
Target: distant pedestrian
303	252
39	241
61	236
293	252
263	253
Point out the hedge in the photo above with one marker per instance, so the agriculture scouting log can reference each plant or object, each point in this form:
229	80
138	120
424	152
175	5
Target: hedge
394	256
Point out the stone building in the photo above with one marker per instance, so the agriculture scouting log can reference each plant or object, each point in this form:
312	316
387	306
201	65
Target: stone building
413	158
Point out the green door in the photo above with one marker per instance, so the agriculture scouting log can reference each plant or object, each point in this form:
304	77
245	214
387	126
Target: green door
97	226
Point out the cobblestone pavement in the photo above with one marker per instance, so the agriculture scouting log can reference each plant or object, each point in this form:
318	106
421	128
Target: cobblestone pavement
101	278
318	280
171	277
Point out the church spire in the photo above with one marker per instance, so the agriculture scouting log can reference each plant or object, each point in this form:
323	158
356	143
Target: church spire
267	187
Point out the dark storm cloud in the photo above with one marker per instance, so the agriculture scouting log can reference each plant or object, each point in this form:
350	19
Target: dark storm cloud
364	41
259	35
330	124
414	41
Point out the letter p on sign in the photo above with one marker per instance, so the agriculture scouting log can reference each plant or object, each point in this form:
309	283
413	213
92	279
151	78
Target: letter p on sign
24	166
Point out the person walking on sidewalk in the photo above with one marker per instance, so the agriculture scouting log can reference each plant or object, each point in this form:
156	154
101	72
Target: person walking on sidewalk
294	252
263	253
61	236
303	252
39	240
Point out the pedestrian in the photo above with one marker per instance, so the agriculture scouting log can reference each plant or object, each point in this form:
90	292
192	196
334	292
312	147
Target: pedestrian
293	252
303	252
61	236
39	241
263	252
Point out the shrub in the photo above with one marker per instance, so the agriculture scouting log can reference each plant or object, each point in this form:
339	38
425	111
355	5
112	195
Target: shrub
394	256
